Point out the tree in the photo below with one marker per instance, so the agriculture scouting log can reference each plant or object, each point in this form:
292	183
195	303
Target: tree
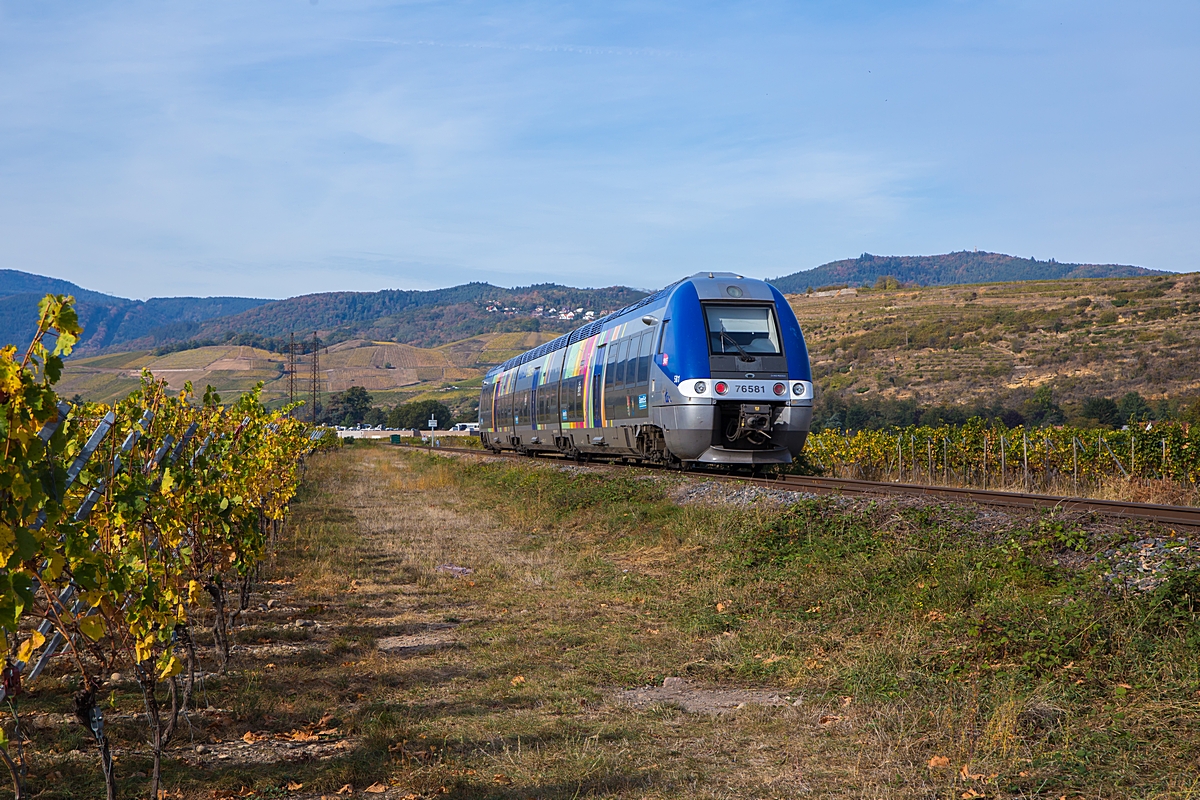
1042	410
349	407
1133	408
416	415
1103	410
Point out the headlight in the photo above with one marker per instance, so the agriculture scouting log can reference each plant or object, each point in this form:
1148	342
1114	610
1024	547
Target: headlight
798	389
700	387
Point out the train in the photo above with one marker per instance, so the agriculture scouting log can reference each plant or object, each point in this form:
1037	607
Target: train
711	370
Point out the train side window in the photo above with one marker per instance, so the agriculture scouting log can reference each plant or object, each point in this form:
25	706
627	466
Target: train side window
621	355
644	359
664	336
631	358
610	369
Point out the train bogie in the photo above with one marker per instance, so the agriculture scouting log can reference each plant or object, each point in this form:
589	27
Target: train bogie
712	370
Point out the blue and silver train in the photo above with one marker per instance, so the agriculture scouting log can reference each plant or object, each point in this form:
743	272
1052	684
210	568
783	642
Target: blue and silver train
711	370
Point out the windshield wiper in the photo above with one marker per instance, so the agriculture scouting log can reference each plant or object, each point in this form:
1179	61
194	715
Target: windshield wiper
725	337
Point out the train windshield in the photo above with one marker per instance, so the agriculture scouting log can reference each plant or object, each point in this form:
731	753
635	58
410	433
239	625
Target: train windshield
742	329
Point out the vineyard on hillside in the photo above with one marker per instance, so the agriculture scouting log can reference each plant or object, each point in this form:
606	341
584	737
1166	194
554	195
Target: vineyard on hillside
978	454
124	526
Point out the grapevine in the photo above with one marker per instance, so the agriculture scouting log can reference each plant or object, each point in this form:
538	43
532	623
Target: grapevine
991	455
122	525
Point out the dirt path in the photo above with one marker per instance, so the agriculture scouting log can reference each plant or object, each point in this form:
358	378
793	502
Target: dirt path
497	662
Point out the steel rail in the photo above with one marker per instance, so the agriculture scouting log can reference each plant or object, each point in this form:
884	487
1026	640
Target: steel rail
1167	515
1186	516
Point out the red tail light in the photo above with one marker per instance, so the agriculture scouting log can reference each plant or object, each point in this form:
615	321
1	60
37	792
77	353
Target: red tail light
722	387
779	389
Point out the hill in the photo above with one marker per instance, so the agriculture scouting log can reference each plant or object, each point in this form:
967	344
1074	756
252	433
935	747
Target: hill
946	270
886	352
425	318
393	373
896	351
421	318
107	320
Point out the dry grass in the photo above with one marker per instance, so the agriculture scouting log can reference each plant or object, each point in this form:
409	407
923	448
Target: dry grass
502	683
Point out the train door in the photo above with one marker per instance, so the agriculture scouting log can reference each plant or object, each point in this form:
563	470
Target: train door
597	387
610	375
533	393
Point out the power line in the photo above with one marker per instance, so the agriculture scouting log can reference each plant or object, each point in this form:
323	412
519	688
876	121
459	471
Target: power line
291	369
315	376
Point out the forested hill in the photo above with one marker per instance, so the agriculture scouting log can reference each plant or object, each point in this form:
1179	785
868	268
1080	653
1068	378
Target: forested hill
427	318
107	320
422	318
947	270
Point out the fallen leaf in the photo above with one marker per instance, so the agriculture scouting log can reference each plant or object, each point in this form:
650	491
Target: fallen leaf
1124	685
846	701
328	732
347	789
251	737
518	680
966	773
502	779
720	608
302	736
938	762
1022	774
970	794
935	616
376	788
829	719
293	786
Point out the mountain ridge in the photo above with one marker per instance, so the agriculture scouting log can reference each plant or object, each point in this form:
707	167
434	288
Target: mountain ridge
948	269
430	318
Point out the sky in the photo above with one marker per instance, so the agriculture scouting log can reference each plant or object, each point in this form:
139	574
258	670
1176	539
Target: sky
283	147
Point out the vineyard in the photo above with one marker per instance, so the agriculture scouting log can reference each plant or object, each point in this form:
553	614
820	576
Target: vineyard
127	527
1061	460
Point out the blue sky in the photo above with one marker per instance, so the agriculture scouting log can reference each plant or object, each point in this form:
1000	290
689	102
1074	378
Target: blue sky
279	148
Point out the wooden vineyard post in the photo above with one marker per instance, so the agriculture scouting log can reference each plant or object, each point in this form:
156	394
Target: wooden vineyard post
929	447
1003	462
1164	459
985	461
912	455
945	461
900	458
1025	456
1075	465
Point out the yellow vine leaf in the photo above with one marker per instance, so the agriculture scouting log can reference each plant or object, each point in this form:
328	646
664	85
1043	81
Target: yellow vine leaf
170	668
92	627
168	482
30	645
54	566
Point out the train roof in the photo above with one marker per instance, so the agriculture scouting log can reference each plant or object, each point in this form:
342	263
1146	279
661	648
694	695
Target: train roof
598	325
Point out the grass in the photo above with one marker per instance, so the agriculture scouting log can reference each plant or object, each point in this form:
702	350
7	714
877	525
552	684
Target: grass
903	632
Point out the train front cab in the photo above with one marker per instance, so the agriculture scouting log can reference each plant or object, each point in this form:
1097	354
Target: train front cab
738	385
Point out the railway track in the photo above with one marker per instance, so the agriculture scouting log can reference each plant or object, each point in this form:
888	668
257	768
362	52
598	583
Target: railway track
1185	516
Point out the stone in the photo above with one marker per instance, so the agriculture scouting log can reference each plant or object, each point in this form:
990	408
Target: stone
272	603
201	749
